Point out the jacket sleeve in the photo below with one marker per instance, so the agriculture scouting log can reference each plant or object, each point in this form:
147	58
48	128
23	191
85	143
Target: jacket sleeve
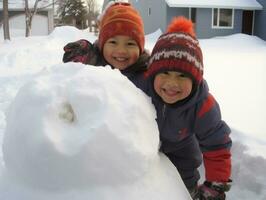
81	51
214	140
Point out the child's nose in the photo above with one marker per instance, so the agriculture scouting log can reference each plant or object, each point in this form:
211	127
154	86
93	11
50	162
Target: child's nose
121	49
173	82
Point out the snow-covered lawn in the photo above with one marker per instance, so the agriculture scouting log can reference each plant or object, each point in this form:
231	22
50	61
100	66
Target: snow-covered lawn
235	67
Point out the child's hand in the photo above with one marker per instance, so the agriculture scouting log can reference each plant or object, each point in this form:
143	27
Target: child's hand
77	51
213	190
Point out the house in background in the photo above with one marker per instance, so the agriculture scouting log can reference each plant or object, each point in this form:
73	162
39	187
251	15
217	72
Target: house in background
260	21
210	18
42	23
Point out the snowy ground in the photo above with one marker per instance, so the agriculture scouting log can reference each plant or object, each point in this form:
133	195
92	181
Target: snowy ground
235	68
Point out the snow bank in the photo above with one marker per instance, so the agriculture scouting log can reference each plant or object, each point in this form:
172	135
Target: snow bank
151	39
71	33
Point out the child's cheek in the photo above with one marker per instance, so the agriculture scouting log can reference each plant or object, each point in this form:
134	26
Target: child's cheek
157	85
135	57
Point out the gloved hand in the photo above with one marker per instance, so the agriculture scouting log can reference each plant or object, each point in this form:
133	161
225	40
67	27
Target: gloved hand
213	190
79	51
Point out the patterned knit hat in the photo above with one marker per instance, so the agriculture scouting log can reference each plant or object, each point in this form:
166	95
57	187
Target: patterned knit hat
177	50
121	18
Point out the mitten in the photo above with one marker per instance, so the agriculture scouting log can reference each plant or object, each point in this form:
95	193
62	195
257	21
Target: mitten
213	190
79	51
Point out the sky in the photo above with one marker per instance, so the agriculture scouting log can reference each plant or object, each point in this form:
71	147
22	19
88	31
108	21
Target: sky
100	2
47	108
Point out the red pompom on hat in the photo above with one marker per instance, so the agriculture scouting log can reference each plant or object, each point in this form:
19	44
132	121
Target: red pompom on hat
181	24
177	50
121	18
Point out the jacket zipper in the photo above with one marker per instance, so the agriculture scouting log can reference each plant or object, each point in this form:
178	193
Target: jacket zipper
162	125
163	111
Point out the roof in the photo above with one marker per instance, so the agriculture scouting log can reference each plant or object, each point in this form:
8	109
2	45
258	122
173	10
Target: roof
18	5
232	4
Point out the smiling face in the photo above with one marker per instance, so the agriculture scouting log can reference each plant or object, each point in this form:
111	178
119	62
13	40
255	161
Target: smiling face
172	86
121	51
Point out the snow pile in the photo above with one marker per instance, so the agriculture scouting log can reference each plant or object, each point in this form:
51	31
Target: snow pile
232	89
71	33
151	39
75	126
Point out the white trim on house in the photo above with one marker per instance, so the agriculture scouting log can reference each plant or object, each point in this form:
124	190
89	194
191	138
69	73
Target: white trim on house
231	4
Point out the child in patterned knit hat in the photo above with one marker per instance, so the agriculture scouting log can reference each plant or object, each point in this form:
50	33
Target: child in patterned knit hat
188	116
120	43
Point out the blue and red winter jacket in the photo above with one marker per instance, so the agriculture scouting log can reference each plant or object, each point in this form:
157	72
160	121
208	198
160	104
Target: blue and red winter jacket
197	120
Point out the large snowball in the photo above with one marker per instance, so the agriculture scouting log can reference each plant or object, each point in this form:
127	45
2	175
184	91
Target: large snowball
75	125
84	132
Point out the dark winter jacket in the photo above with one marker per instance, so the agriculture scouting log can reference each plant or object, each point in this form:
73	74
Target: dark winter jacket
196	121
84	52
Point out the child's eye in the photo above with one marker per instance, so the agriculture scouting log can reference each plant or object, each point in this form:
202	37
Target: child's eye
166	73
112	42
132	44
183	75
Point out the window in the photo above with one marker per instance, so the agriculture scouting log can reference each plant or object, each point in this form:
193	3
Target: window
149	11
222	18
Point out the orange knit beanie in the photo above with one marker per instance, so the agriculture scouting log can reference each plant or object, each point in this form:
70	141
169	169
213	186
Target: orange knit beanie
121	19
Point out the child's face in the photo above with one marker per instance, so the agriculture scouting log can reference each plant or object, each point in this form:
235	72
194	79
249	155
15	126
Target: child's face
172	86
121	51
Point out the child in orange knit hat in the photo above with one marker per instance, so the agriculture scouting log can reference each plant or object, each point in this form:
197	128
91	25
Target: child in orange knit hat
120	43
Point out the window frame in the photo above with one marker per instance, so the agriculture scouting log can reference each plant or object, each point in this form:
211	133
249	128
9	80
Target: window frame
218	19
193	14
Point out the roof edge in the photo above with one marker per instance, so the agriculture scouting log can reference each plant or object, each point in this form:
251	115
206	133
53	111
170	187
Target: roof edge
189	5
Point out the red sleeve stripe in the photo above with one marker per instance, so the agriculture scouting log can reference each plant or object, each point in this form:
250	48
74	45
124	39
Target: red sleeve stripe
217	165
207	105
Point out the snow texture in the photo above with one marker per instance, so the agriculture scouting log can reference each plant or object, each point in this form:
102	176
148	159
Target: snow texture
69	128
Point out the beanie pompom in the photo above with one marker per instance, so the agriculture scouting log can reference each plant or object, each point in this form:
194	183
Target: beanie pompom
181	24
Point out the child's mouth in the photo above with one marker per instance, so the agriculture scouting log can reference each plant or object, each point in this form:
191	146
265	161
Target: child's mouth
119	59
170	93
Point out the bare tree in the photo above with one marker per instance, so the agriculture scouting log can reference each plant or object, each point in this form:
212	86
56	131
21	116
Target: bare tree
29	15
30	12
6	20
92	13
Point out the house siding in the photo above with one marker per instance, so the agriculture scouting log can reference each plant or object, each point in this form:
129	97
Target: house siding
157	19
260	22
162	14
203	25
174	12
